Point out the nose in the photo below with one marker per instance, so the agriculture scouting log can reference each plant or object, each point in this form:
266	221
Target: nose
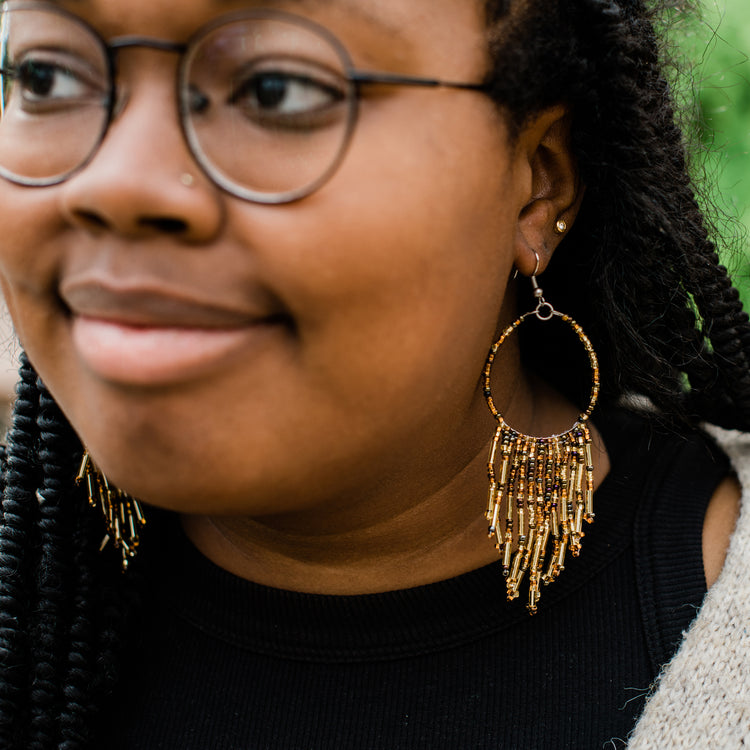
143	180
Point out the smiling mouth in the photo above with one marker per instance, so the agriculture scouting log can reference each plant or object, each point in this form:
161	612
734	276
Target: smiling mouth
144	338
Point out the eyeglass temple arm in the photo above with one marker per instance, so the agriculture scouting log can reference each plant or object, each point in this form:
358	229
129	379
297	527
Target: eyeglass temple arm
355	76
361	77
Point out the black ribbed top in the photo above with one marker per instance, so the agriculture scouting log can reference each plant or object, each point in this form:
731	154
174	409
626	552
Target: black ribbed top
228	664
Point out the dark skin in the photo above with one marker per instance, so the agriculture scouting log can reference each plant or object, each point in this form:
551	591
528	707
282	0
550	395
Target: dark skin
339	444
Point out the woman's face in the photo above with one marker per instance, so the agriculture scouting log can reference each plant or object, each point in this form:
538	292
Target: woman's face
219	355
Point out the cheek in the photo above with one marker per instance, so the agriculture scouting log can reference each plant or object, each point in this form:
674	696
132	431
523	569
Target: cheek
30	224
30	264
397	291
410	277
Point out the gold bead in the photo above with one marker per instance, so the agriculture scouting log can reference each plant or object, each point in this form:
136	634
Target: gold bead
561	227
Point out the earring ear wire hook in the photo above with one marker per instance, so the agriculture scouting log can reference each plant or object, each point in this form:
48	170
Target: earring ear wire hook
544	310
536	267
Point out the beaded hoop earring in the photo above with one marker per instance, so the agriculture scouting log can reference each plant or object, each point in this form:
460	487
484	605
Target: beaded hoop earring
123	515
545	483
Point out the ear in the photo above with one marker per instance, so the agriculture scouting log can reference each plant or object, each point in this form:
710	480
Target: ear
551	187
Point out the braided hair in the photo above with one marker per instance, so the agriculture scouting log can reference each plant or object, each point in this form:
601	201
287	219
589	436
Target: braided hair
637	270
60	615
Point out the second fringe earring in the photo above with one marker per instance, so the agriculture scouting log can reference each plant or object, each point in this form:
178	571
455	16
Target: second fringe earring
123	515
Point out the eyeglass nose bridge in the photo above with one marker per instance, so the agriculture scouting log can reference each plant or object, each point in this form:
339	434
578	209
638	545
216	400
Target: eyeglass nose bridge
163	45
119	99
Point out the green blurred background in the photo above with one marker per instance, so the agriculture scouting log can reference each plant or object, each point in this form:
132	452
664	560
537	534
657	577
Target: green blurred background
717	96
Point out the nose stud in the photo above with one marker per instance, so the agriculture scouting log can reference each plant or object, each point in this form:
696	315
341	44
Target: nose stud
187	179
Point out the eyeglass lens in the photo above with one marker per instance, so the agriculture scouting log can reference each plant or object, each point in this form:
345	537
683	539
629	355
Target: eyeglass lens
54	85
264	100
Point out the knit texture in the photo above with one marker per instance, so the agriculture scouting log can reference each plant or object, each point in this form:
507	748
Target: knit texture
702	697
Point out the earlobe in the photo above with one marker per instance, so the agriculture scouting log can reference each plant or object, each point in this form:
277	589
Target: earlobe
553	186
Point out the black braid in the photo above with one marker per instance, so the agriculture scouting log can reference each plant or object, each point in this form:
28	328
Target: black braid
17	538
63	607
51	623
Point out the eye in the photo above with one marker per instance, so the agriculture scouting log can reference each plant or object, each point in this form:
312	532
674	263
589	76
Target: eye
45	83
288	98
41	80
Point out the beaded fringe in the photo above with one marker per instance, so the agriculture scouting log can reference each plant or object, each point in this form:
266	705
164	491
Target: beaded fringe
547	486
123	515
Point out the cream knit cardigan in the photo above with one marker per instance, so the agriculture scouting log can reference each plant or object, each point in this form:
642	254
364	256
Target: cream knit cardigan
702	697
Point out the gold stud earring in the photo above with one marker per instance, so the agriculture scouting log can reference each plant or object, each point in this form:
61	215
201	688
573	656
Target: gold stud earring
561	227
544	485
123	515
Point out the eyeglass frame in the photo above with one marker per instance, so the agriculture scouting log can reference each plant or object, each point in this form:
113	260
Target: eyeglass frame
356	77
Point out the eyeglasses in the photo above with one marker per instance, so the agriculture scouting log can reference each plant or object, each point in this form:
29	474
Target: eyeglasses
267	100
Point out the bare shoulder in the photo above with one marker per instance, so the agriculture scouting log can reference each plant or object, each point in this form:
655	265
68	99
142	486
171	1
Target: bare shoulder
718	525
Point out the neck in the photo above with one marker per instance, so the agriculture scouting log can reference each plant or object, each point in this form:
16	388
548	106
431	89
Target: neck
416	545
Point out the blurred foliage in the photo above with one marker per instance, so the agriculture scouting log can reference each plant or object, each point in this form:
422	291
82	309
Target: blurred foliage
715	45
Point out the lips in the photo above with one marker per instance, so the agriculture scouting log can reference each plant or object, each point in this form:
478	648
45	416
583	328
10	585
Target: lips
158	306
151	334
